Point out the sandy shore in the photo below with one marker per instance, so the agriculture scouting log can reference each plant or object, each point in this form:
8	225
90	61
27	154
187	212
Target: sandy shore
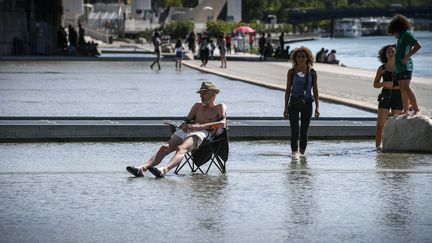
349	86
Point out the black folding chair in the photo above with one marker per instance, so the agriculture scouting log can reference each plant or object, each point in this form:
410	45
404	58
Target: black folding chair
214	151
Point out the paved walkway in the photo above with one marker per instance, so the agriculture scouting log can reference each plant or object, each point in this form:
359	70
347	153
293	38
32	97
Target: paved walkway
349	86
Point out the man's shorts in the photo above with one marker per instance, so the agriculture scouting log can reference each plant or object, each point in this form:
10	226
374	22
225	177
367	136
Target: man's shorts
405	75
390	99
201	135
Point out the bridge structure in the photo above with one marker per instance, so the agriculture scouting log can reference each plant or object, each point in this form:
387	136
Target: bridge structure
296	16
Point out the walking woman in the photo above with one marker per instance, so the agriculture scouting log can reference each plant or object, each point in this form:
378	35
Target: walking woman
390	97
222	51
179	54
157	43
301	80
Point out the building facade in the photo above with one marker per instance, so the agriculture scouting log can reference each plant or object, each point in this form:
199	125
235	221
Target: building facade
29	26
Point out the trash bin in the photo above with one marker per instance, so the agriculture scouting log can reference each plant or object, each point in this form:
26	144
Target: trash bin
110	39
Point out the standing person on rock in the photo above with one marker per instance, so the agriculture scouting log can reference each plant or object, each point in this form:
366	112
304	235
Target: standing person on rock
389	99
301	81
406	47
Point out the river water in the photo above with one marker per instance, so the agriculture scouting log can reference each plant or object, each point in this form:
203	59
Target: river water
362	52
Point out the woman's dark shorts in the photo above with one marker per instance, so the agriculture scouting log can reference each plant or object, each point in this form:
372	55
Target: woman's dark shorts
390	99
405	75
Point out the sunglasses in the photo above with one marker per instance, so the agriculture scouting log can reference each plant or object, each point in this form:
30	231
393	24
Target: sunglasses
301	56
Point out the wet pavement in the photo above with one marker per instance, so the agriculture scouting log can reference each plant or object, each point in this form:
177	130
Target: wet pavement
71	88
342	191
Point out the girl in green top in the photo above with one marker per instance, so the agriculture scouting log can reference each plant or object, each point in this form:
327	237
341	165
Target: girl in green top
406	47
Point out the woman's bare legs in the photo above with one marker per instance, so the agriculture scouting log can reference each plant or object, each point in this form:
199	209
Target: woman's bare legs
382	117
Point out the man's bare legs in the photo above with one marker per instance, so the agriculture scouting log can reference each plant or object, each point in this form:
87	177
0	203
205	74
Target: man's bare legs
188	145
163	151
408	97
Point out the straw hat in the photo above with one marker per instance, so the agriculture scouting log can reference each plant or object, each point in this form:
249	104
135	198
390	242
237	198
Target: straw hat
207	86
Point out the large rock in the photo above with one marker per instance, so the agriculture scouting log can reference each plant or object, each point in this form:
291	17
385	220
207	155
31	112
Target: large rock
167	48
403	134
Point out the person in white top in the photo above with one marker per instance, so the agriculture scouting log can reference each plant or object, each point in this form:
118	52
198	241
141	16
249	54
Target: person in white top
179	49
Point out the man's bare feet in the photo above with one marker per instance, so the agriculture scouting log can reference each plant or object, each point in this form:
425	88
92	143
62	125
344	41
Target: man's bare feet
136	171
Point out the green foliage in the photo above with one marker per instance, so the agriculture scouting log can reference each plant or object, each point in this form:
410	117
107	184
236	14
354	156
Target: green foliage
178	29
146	35
173	3
216	27
255	9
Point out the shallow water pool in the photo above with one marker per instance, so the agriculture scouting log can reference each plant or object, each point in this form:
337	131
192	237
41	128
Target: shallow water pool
341	191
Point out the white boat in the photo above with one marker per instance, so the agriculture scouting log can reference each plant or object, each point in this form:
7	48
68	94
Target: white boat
369	26
347	28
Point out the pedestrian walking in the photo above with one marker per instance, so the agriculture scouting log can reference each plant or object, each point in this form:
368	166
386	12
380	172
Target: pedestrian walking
191	41
262	46
222	52
157	45
179	54
204	52
301	81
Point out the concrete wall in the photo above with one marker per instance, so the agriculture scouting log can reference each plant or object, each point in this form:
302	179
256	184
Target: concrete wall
29	26
14	25
234	10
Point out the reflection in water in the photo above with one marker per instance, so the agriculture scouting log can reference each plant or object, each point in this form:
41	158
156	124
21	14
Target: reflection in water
395	190
207	201
300	193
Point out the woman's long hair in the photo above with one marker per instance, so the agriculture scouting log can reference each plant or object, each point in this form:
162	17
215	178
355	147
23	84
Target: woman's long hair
382	54
309	56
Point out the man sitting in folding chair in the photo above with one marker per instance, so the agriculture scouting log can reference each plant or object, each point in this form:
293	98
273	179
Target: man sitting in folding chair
201	120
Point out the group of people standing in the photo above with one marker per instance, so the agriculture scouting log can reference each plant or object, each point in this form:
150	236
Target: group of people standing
71	42
396	98
206	48
394	76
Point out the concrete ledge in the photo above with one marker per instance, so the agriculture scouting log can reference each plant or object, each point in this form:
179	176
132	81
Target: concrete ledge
30	129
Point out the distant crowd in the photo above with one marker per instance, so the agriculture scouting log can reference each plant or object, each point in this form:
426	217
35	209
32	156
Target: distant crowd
70	42
323	56
203	46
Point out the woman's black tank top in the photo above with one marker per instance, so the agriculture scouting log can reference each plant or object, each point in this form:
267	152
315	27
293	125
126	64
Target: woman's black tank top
389	76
